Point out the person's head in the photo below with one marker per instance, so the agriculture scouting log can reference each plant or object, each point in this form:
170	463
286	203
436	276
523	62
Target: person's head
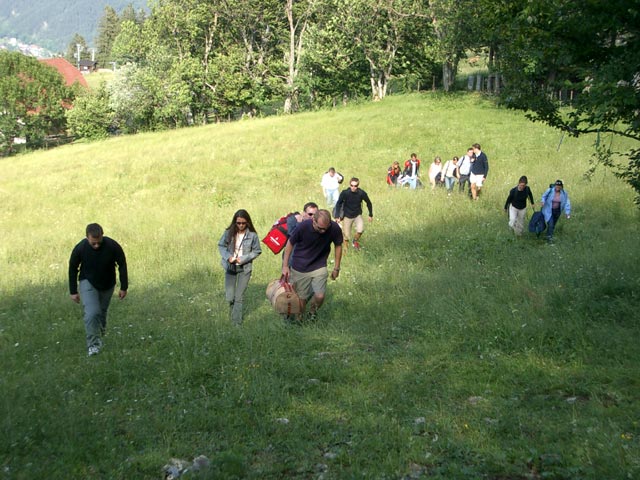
437	160
240	223
455	159
470	152
396	165
414	156
331	171
321	221
309	209
558	185
522	183
476	148
354	183
94	235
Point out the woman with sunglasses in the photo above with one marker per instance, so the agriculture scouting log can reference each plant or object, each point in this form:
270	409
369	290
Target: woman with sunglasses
238	246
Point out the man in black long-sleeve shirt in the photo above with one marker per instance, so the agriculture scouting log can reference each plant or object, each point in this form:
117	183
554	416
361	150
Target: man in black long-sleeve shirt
96	258
349	210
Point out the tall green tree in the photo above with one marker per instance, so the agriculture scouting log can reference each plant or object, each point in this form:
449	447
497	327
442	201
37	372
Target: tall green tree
455	28
33	97
588	47
72	49
379	28
108	29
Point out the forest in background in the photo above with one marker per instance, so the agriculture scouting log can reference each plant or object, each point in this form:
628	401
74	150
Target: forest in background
190	62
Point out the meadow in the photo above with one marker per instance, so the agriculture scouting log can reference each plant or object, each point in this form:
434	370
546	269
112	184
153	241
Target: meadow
447	348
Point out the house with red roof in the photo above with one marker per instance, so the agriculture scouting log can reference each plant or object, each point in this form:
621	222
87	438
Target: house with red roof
70	73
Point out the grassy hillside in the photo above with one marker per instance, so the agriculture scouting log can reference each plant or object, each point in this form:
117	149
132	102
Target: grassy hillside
446	349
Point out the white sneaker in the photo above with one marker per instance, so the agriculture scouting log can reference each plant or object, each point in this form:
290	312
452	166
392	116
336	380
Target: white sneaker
93	351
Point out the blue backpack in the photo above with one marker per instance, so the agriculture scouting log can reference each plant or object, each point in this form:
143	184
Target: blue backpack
537	223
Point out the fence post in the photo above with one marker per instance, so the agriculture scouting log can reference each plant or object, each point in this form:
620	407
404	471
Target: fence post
470	82
478	82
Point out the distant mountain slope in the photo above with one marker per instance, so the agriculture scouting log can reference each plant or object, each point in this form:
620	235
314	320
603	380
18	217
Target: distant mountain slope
52	23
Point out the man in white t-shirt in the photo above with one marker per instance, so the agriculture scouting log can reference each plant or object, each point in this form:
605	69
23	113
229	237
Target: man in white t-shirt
330	184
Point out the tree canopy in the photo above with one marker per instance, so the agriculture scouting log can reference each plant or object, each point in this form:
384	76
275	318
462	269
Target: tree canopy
33	98
552	48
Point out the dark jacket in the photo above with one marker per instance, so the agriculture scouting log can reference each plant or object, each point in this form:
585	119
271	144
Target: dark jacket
518	198
350	203
98	266
480	166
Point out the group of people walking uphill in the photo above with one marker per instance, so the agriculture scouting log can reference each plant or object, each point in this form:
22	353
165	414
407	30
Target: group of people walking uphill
312	233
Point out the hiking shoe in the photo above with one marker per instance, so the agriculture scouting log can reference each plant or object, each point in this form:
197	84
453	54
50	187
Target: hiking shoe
94	351
356	245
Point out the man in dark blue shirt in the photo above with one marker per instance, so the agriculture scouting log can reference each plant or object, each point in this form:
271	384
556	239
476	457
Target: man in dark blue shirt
308	272
94	262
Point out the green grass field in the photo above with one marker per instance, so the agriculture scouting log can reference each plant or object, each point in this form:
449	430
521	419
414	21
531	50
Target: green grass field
446	349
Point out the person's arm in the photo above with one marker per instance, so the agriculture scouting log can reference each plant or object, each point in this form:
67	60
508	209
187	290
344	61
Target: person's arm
223	247
531	200
121	260
339	205
255	250
567	207
508	202
285	259
369	205
74	265
338	258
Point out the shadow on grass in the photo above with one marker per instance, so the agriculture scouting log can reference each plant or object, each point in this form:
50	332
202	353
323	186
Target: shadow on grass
442	350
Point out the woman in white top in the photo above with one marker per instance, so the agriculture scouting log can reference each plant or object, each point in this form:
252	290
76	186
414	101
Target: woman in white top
435	172
238	246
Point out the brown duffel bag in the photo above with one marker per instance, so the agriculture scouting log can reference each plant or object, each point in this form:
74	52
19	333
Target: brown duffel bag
283	297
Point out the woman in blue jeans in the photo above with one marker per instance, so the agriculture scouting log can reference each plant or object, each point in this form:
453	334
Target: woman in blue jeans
238	246
554	201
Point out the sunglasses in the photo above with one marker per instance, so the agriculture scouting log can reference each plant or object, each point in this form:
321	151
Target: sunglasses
352	185
310	214
241	223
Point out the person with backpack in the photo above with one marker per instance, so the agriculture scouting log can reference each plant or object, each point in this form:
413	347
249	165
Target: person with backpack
349	211
554	201
464	169
411	172
450	172
516	205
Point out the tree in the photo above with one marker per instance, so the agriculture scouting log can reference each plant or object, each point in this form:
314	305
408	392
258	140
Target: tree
72	49
379	29
590	48
33	98
298	18
108	29
454	28
91	116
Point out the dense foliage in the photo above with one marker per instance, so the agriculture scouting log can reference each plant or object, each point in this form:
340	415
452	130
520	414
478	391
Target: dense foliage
33	98
582	53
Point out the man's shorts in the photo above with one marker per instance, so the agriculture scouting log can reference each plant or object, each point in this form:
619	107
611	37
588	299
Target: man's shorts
346	225
306	284
477	179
